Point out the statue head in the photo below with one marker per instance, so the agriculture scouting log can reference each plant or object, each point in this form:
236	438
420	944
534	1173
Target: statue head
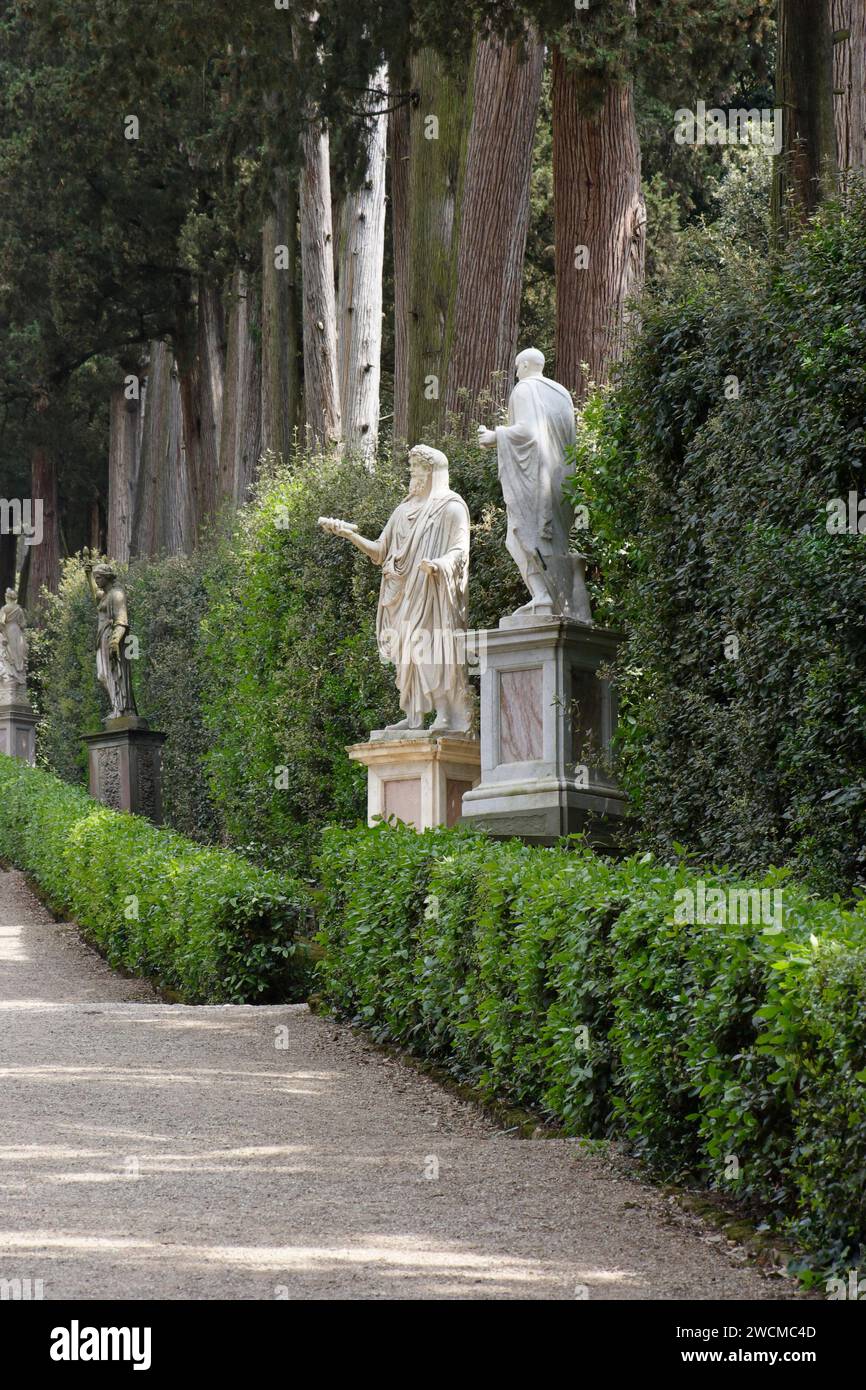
11	595
428	471
104	575
529	362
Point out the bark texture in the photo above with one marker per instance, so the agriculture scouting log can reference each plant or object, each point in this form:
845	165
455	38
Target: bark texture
124	441
200	354
8	561
805	170
44	571
494	218
437	145
321	387
600	225
164	519
848	19
281	384
398	168
241	433
359	300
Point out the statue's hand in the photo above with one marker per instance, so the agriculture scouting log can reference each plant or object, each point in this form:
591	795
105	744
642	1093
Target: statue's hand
486	437
336	526
114	649
430	567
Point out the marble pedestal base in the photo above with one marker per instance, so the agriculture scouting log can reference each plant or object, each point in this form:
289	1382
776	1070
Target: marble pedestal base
419	779
125	765
17	732
547	720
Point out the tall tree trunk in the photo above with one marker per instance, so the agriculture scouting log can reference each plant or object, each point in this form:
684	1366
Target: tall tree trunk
398	170
359	301
321	387
123	457
8	561
848	19
805	169
600	224
281	384
164	520
200	355
494	219
176	515
44	557
97	530
241	435
437	147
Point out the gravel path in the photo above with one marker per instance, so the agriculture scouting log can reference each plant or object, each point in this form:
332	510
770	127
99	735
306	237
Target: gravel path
151	1151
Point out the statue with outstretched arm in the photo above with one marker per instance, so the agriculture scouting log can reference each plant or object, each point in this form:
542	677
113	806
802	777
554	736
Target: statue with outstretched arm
422	614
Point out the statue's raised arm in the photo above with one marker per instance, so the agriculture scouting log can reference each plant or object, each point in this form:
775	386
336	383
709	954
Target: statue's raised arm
532	451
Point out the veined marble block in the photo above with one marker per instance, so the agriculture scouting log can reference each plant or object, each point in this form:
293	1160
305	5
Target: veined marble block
547	723
420	779
125	765
17	732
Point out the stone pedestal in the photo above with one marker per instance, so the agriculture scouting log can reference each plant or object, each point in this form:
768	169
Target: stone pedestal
419	779
547	720
125	765
17	732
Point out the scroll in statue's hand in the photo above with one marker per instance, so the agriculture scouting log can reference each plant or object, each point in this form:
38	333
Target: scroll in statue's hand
430	567
486	438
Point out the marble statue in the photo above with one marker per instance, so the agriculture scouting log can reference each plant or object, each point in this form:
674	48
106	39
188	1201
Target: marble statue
421	621
13	648
113	667
531	451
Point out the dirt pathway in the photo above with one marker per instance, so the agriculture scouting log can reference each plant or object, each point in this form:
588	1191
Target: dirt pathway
156	1151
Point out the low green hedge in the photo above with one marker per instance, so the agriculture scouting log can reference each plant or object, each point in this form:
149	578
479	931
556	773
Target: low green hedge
556	979
202	923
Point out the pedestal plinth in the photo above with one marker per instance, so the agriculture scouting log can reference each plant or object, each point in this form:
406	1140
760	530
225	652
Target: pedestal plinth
547	721
125	766
17	732
420	780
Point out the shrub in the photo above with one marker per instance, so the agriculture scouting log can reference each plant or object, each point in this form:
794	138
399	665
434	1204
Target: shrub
258	655
202	923
709	517
167	599
733	1053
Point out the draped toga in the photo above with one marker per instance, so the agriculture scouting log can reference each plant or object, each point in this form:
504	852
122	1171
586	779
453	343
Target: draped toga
421	623
532	468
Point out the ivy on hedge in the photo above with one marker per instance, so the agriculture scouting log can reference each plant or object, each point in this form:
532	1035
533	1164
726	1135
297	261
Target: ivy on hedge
563	981
202	923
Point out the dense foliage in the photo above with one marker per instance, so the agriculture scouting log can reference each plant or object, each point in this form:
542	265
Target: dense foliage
709	471
202	923
734	1051
257	655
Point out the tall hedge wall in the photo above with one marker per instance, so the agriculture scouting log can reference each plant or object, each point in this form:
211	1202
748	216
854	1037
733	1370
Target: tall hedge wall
740	415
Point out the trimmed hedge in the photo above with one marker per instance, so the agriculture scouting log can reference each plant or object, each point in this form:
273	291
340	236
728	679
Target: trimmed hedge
202	923
732	1053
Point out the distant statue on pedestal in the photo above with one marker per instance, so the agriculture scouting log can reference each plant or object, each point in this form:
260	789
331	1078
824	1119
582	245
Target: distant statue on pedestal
13	650
533	466
113	668
421	622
